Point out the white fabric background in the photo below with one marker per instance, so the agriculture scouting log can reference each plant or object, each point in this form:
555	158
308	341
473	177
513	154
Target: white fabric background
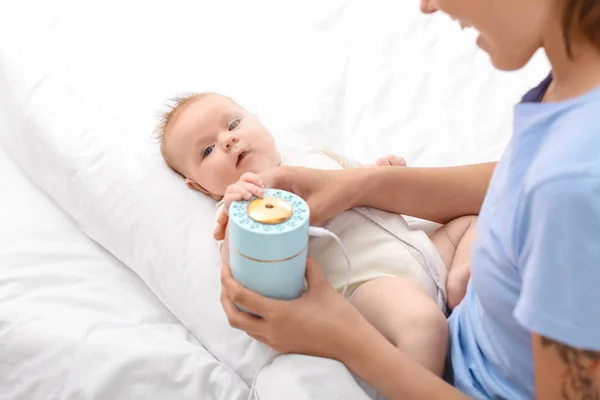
81	84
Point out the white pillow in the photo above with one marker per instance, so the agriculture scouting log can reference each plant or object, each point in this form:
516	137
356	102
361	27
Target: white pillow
75	320
83	84
71	134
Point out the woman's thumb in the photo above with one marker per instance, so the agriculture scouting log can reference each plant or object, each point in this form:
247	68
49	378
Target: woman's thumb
314	273
276	178
221	228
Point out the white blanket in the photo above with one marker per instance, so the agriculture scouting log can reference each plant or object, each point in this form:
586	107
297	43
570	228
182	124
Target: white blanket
75	323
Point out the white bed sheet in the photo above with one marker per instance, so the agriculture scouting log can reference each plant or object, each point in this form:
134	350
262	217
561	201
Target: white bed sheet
83	81
75	323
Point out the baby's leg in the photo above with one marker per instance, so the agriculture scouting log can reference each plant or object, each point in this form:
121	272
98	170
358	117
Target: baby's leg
453	241
407	317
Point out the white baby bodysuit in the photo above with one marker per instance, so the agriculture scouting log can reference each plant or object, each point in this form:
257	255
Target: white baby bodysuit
378	243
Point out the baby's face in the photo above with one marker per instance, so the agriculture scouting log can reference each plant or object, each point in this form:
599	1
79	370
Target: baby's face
213	141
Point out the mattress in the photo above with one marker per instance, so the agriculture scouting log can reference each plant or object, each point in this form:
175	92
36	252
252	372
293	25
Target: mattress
109	279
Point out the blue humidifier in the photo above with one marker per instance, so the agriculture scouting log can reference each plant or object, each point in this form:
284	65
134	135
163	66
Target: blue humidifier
268	243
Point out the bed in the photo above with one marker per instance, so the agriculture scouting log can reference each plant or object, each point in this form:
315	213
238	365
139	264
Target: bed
109	277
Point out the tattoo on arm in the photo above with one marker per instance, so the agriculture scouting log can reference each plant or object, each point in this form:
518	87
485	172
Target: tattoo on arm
580	380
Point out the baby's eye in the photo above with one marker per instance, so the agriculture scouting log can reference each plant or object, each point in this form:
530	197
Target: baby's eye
233	124
207	151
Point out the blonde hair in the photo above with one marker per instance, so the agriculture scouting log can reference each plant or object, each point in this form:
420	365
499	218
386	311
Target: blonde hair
174	106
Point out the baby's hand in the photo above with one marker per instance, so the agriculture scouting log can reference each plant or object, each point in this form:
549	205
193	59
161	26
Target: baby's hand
249	185
392	161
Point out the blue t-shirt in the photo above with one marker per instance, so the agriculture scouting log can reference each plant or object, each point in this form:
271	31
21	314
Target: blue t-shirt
536	258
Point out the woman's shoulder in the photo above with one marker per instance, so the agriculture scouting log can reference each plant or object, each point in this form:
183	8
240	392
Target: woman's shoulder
581	115
570	148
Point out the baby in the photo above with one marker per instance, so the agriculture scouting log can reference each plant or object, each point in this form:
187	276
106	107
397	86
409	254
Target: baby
400	276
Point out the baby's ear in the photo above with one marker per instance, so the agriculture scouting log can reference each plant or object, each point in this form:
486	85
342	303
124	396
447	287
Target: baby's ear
196	186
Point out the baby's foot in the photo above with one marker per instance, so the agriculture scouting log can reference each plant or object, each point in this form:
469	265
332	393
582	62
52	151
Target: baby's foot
456	285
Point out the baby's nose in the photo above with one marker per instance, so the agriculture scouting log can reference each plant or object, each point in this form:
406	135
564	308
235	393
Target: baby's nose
229	141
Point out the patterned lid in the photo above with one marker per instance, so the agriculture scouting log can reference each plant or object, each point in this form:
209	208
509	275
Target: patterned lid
238	213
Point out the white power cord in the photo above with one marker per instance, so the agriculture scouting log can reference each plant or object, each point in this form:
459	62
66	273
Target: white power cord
315	232
322	232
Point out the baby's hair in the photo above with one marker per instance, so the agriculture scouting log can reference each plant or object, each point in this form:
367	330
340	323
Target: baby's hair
582	16
175	105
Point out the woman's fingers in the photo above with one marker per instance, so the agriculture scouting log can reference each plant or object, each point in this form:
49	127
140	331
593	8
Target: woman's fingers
279	178
314	273
245	298
221	228
236	318
311	324
223	218
316	187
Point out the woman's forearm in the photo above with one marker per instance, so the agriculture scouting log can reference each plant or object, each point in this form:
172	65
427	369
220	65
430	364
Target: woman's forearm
434	194
393	374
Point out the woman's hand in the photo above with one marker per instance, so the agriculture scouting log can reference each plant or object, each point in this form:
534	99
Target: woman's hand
320	323
327	192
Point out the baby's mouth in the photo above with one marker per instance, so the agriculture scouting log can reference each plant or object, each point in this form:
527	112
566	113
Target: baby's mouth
241	156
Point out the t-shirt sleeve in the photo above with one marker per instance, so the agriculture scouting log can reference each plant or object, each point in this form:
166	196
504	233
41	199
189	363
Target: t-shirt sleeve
559	258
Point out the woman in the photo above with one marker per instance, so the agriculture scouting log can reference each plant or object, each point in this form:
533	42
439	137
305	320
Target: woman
529	325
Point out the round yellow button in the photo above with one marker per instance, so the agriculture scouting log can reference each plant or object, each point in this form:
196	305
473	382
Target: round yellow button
269	210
